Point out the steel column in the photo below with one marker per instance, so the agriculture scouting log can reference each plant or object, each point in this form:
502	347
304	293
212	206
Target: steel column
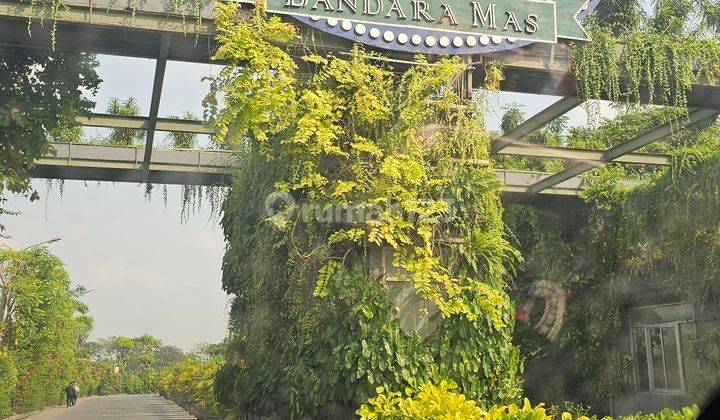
155	102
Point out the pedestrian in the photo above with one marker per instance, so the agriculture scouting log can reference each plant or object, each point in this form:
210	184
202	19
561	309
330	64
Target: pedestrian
70	394
76	393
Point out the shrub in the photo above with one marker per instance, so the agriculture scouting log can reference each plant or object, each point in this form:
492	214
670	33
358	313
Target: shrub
192	380
7	382
443	402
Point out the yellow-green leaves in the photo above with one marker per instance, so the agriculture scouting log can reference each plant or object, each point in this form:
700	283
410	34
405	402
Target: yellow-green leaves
362	144
258	89
352	235
317	127
324	274
402	169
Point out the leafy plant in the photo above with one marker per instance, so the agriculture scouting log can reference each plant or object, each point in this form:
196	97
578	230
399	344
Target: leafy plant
441	401
315	331
192	381
632	58
40	96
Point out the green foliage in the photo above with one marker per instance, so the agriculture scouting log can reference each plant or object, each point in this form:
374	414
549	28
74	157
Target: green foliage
430	401
687	413
313	332
178	140
54	9
630	122
632	58
8	382
493	75
661	235
442	401
192	381
41	326
40	96
124	136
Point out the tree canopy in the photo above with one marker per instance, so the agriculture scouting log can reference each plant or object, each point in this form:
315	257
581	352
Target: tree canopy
40	96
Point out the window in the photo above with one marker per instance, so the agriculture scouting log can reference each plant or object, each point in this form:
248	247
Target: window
658	354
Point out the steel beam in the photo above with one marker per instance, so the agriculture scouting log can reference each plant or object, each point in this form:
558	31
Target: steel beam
535	122
207	167
567	153
124	164
142	123
519	149
148	15
659	133
160	66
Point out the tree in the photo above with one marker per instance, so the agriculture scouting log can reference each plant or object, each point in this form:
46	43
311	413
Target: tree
144	353
168	355
178	140
124	136
42	326
134	354
119	349
207	351
40	94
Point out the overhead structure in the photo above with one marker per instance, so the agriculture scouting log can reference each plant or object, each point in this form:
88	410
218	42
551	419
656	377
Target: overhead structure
153	29
516	149
573	154
207	167
695	117
143	123
536	122
109	27
160	66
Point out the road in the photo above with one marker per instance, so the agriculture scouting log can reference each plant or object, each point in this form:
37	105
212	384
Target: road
117	407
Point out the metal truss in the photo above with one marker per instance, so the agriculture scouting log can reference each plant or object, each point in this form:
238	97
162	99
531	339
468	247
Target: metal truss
694	118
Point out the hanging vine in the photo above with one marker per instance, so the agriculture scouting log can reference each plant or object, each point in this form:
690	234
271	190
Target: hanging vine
644	66
53	9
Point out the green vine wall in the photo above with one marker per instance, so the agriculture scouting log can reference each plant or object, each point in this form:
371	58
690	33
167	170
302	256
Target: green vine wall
313	332
662	235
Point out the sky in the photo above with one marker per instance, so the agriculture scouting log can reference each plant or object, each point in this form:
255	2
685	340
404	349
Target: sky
146	271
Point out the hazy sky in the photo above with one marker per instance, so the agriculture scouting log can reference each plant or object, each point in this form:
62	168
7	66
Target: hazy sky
148	272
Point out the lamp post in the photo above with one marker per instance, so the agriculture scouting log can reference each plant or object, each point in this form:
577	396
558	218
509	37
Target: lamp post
49	241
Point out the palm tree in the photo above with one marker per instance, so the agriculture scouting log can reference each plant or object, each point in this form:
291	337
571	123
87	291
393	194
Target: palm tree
124	136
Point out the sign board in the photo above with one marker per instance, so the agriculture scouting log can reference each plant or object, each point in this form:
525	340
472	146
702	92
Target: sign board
445	26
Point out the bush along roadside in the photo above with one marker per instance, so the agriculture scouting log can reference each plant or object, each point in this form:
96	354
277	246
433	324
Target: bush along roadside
190	383
442	401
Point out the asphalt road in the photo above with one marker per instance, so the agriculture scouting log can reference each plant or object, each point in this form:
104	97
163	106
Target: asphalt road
117	407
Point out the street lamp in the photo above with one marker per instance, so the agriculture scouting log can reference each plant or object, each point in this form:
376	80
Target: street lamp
49	241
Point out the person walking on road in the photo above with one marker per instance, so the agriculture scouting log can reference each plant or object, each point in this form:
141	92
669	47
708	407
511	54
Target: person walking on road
71	393
77	392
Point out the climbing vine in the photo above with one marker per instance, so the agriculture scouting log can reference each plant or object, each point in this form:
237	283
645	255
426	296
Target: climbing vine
340	160
40	97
